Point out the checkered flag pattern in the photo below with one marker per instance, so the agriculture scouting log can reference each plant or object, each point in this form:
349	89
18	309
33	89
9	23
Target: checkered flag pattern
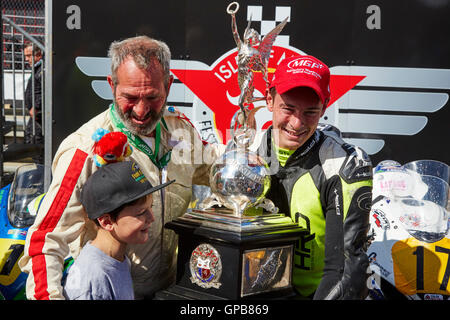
266	25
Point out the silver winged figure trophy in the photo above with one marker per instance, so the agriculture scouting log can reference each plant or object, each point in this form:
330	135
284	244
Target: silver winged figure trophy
253	56
240	178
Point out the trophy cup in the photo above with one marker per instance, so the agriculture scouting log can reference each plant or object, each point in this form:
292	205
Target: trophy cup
240	178
236	245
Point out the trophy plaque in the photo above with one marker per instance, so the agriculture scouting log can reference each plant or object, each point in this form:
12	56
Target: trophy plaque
235	244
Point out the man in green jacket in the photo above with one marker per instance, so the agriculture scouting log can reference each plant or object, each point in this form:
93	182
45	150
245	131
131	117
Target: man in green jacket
322	182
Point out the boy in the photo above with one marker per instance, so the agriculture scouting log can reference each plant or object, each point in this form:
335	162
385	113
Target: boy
117	197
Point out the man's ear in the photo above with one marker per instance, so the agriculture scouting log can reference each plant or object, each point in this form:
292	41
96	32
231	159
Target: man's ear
269	100
110	81
324	107
169	84
106	222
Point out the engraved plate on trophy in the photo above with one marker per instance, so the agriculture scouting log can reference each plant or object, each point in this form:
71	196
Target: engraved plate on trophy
206	266
266	269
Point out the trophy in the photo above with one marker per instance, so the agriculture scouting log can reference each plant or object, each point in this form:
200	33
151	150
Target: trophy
249	60
236	245
240	178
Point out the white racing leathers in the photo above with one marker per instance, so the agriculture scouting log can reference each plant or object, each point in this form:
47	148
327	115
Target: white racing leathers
62	227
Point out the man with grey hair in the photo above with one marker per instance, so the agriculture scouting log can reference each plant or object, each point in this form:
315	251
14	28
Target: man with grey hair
140	81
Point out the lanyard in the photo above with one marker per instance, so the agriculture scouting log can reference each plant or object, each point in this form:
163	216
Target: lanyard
137	142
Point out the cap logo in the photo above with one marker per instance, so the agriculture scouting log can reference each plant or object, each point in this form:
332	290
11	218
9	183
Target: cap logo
304	62
137	174
306	66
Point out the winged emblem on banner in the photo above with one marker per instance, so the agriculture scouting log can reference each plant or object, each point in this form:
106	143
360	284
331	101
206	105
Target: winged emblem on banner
368	104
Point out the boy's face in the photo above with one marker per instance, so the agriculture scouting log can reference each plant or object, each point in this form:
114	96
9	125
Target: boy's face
133	222
296	114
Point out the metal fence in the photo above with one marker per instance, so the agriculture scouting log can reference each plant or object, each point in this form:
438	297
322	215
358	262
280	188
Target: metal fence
23	23
29	15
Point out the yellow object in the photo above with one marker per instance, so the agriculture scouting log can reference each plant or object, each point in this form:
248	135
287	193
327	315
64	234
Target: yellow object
421	267
7	248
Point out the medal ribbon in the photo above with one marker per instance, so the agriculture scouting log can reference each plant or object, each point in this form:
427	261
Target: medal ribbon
137	142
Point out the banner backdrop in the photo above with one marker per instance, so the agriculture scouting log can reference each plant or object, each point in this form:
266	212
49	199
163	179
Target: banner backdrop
389	62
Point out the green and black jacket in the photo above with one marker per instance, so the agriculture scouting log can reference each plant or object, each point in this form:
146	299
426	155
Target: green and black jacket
326	187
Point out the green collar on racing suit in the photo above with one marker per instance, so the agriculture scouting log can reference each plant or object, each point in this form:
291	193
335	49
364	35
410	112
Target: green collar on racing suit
137	142
282	154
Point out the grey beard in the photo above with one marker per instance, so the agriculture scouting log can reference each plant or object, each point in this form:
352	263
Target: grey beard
144	130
